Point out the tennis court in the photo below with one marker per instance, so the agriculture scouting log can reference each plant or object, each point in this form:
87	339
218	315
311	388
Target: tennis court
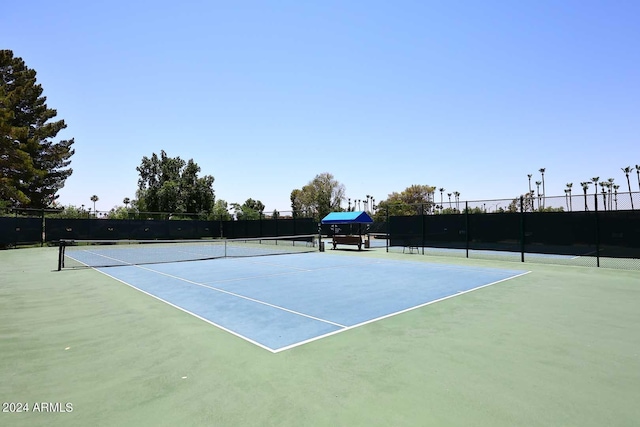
319	338
284	301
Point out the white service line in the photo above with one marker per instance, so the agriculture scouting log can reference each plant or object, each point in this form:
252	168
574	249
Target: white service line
243	297
189	312
396	313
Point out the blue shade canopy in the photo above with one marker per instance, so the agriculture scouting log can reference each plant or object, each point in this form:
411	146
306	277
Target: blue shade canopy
347	218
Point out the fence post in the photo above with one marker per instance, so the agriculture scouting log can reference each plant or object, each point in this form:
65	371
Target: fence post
388	227
522	228
295	220
15	228
595	196
423	219
466	227
42	239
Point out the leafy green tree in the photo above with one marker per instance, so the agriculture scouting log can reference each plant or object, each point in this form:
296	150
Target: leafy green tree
476	210
71	212
32	167
297	205
527	203
551	209
320	196
118	212
250	209
413	200
169	184
220	211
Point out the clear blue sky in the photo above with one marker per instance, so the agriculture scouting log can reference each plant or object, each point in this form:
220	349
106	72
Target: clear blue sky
467	95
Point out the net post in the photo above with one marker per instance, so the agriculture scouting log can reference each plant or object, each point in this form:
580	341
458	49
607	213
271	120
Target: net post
60	254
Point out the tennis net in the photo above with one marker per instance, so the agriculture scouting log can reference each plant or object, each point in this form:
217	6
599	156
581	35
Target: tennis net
110	253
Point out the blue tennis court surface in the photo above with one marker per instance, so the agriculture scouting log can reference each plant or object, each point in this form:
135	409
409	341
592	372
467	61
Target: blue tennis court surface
283	301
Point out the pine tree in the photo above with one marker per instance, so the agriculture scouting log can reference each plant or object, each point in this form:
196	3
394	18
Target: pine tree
32	166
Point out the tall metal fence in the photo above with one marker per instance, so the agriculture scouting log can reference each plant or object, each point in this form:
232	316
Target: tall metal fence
603	232
597	229
28	227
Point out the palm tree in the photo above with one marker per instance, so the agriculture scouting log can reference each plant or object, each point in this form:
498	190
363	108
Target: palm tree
585	186
638	172
538	187
457	196
595	180
566	197
94	199
627	171
529	175
441	203
449	194
569	185
367	205
604	194
615	189
609	189
544	193
126	202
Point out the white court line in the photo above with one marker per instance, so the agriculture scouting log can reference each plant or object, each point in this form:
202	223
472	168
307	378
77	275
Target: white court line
221	291
236	279
396	313
103	256
241	296
343	327
273	264
189	312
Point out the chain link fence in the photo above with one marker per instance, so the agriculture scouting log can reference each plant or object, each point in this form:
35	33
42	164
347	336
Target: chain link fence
599	230
21	227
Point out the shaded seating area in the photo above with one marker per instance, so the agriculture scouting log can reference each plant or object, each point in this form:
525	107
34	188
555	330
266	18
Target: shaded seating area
341	221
